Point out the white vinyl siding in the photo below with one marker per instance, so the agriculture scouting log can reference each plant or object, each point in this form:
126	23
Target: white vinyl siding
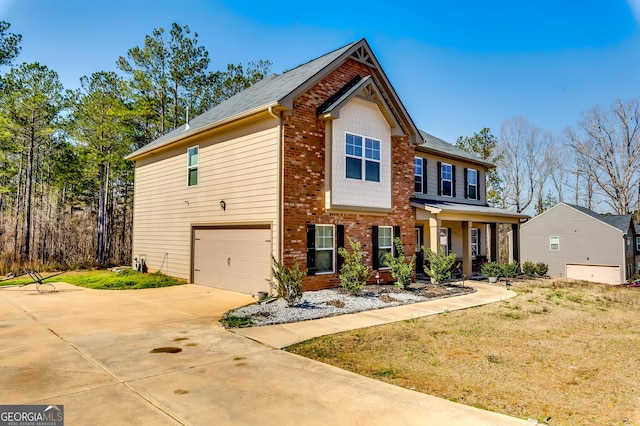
239	167
363	120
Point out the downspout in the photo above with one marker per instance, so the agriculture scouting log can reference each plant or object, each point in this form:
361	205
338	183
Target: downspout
280	196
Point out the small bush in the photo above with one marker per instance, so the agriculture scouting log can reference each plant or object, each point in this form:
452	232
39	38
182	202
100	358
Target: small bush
492	269
232	321
440	265
288	285
529	268
354	273
542	269
401	271
511	270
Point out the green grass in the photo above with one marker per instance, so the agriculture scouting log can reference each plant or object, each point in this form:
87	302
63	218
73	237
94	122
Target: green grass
233	321
127	279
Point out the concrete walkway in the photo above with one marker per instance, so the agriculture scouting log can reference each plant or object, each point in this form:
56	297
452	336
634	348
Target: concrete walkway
93	352
283	335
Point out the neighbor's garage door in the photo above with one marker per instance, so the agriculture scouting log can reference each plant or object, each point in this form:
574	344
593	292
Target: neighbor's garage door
607	274
232	259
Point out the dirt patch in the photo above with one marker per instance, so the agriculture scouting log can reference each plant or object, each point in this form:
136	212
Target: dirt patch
166	350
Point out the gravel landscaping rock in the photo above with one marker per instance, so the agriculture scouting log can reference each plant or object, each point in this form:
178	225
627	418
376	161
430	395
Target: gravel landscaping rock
337	301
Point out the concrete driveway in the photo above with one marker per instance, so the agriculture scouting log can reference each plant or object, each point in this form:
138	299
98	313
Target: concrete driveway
92	351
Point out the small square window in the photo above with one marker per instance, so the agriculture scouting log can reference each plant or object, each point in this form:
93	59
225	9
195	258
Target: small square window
361	156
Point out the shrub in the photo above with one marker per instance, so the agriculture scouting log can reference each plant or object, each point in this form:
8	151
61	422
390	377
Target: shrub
288	285
529	268
542	268
492	269
440	265
401	271
510	270
354	273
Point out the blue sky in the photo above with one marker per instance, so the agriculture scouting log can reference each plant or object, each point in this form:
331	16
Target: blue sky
458	66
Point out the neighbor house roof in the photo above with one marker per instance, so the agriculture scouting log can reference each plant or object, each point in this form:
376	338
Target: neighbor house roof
278	91
436	145
618	221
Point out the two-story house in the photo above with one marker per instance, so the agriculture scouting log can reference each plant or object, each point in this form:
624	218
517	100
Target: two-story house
293	167
451	206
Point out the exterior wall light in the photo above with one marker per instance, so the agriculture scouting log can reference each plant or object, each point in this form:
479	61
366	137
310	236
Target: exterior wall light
223	205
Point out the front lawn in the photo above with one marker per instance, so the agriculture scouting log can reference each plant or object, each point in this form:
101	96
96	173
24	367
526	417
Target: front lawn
127	279
561	353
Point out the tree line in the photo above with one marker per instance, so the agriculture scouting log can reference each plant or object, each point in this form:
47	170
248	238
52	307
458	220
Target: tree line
65	188
594	164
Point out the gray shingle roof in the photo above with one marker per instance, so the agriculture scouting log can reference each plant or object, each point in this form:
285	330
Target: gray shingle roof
468	208
433	143
268	91
618	221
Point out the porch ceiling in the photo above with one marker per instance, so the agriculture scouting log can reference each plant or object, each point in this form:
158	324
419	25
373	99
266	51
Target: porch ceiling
457	211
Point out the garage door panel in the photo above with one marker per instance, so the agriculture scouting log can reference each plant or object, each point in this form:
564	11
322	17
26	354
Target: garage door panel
233	259
607	274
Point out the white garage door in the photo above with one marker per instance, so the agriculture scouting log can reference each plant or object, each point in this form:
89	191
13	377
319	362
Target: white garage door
607	274
232	259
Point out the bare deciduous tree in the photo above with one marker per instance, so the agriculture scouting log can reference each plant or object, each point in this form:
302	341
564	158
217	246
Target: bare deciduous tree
523	167
607	146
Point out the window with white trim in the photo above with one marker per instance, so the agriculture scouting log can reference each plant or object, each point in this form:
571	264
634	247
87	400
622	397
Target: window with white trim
444	240
193	155
446	179
418	165
472	184
385	244
324	249
474	242
554	243
362	158
638	244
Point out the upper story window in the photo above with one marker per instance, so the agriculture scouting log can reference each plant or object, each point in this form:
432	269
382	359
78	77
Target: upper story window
471	179
363	158
193	155
554	243
418	173
446	180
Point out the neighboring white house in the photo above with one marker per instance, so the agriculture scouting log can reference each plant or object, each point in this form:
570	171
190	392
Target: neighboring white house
580	244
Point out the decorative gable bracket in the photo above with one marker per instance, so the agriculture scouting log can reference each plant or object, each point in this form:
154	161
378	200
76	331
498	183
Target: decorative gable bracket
365	88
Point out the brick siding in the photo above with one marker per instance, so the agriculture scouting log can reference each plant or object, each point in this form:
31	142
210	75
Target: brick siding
304	181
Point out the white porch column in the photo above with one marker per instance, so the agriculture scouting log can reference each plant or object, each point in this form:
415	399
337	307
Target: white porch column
466	248
434	235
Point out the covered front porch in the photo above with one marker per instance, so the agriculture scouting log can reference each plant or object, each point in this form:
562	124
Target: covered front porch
469	231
